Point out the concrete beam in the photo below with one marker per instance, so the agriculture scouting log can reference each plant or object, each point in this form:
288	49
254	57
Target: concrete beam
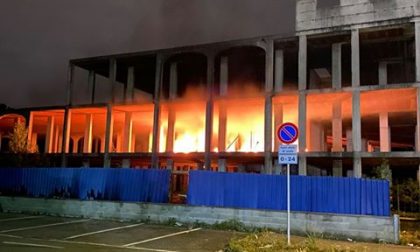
49	139
417	38
268	107
303	48
355	58
91	86
337	127
384	133
279	71
209	112
87	143
128	132
302	133
129	92
108	135
336	66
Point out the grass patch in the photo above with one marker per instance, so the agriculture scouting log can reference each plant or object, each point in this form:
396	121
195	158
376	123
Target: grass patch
411	238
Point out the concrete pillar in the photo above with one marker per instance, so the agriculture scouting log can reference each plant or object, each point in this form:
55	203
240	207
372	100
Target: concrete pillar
49	139
156	111
112	78
278	120
108	135
66	131
349	144
336	66
60	143
221	164
91	86
209	112
338	168
279	71
119	142
268	108
302	134
70	77
384	132
417	36
87	143
355	58
173	90
303	48
34	138
129	92
417	140
356	134
76	144
383	73
128	132
337	130
30	127
133	143
222	107
56	139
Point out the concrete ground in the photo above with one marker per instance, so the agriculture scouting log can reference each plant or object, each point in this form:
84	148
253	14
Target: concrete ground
20	232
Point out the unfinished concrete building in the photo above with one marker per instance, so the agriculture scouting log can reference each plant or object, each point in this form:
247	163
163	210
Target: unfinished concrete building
349	78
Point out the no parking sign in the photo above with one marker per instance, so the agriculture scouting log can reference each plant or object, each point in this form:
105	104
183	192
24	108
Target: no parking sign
288	134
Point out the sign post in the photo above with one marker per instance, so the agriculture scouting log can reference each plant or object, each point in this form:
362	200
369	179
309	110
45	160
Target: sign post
288	134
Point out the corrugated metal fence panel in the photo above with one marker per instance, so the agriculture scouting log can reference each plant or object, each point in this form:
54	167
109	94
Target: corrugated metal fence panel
135	185
309	194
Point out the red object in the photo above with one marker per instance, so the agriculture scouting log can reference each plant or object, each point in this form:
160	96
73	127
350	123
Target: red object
287	133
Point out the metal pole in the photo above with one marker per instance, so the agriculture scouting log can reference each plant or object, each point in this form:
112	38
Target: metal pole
288	204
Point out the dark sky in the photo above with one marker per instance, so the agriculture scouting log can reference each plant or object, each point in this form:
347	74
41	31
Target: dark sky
38	37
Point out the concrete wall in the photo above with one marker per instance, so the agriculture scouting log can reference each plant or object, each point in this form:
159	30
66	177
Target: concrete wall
352	12
341	226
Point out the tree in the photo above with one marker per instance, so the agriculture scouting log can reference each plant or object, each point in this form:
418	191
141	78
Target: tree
18	143
383	171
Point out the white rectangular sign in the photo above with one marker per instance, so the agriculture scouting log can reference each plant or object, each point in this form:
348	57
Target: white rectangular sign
288	154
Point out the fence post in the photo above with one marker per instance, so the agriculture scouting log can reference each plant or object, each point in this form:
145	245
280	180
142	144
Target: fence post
396	224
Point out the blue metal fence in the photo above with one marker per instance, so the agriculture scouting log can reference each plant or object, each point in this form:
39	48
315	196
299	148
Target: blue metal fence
135	185
309	194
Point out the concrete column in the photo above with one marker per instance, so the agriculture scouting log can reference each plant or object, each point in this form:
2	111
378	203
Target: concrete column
76	144
66	131
91	86
128	132
30	127
129	92
355	58
60	143
108	135
337	129
156	111
221	164
268	108
49	139
338	168
222	108
56	139
209	112
383	73
356	134
349	145
173	81
87	143
417	36
279	71
70	77
133	142
336	66
302	134
119	143
384	132
173	90
34	138
278	120
417	140
303	48
112	78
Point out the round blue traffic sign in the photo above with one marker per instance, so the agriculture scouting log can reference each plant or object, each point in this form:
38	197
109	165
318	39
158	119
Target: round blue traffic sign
287	133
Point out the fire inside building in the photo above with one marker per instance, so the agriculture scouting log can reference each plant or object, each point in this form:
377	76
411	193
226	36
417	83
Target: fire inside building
349	78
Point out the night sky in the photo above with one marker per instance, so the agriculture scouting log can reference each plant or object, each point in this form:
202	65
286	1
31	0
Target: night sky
38	37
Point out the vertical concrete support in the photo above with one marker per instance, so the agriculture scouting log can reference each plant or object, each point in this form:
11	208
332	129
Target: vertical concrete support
278	120
349	138
384	132
70	77
268	107
417	36
173	90
108	135
49	139
56	139
87	143
279	71
173	81
66	136
30	128
355	58
383	73
209	112
156	111
91	86
336	66
356	134
128	132
302	134
221	165
303	48
112	78
337	168
224	73
337	128
129	92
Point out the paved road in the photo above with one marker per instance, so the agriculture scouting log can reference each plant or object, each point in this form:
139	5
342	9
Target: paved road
20	232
